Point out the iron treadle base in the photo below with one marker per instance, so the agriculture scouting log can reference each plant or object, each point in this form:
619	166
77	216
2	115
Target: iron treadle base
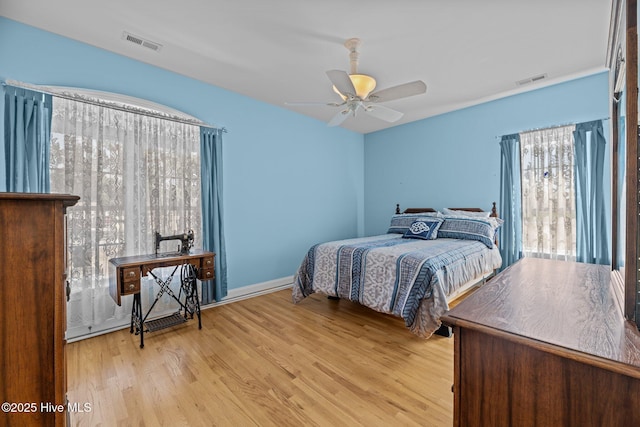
164	322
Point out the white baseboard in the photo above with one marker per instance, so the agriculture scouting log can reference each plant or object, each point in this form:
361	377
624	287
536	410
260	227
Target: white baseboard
251	291
234	295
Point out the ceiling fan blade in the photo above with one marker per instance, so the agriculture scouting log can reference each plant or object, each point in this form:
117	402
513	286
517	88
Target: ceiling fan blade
305	104
383	113
339	118
342	82
397	92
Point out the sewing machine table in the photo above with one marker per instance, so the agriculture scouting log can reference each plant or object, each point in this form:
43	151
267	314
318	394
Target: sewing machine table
124	279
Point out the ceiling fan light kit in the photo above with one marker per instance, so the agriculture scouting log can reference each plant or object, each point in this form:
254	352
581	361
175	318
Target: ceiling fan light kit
362	84
356	91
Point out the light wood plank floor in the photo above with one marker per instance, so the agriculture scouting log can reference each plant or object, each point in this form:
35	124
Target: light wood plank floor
266	362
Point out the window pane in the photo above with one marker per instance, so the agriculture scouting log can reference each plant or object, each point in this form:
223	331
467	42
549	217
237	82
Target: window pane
548	198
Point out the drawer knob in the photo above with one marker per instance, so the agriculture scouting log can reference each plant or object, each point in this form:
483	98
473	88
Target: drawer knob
132	286
132	273
208	262
208	274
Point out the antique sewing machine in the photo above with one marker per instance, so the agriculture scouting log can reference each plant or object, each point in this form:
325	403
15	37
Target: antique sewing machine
126	274
186	241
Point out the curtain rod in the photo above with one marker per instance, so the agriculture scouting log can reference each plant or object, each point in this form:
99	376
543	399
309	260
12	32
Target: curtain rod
117	102
550	127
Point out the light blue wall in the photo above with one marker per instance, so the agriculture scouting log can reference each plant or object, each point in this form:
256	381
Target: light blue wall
453	160
289	181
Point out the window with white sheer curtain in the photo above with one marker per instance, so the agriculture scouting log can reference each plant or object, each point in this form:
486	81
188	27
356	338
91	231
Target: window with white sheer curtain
548	193
135	175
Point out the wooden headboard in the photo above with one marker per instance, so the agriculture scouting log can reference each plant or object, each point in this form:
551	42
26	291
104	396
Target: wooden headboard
414	210
494	210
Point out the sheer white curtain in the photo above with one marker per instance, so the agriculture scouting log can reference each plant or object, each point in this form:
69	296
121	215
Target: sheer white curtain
548	195
135	175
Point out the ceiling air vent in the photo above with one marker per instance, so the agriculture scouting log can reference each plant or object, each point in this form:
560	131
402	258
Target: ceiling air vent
141	41
532	79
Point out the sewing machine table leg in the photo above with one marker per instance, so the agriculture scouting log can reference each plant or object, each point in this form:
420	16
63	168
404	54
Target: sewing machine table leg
192	301
136	319
133	314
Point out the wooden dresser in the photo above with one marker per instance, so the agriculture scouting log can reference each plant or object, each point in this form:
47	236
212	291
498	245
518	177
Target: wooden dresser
33	309
544	343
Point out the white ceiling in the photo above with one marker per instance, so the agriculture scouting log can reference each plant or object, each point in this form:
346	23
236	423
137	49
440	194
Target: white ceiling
466	51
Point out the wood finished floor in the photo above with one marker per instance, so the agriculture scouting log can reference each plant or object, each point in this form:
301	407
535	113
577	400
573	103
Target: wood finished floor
266	362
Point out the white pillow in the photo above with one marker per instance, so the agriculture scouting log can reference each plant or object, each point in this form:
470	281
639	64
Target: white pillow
468	214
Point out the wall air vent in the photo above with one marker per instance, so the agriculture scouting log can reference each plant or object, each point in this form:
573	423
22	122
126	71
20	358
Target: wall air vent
532	79
141	41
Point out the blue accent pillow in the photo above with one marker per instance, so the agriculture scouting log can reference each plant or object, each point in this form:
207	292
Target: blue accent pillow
424	228
400	223
482	230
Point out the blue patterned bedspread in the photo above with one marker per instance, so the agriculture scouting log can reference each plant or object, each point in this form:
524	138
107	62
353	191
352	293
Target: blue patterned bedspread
392	274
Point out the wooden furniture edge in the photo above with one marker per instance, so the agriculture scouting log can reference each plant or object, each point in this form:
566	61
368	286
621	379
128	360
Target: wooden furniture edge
67	199
588	359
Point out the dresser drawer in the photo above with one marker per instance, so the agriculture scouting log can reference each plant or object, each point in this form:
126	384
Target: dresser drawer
130	274
207	263
130	280
130	287
206	274
207	269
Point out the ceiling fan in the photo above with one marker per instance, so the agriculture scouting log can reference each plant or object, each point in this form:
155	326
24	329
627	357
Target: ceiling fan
356	91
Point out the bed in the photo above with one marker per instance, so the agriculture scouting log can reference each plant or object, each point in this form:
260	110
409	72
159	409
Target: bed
426	259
